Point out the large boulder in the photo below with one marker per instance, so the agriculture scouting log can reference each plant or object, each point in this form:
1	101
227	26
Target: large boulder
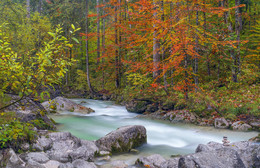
249	152
64	104
241	126
123	139
136	106
66	148
219	158
221	123
27	110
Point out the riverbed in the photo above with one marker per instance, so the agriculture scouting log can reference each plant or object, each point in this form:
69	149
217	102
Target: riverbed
164	138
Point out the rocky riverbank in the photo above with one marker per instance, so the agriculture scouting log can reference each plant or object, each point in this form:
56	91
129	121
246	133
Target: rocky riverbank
62	150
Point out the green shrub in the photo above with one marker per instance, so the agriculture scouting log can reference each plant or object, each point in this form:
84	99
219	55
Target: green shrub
13	133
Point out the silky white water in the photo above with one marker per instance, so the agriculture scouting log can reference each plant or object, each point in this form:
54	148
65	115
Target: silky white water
162	137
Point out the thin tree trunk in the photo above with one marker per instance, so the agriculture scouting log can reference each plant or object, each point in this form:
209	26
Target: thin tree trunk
103	43
98	33
40	7
238	27
163	53
197	51
205	30
28	9
156	46
87	55
233	56
116	51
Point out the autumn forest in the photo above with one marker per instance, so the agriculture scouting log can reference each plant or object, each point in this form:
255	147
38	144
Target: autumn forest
177	54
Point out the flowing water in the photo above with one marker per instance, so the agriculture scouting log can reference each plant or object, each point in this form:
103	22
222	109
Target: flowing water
163	138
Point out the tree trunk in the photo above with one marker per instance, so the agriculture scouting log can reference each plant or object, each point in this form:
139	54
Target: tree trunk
103	43
156	46
233	56
238	26
40	7
87	55
28	9
116	52
98	33
196	79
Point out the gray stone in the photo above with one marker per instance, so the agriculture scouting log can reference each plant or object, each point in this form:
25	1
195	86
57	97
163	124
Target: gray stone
64	104
25	147
45	143
123	139
171	163
255	124
32	164
52	164
153	161
12	160
39	157
66	165
183	116
82	153
63	144
118	164
136	106
104	153
221	123
83	164
241	126
28	109
219	158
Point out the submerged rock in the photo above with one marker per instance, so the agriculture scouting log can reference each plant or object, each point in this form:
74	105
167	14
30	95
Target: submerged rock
123	139
64	104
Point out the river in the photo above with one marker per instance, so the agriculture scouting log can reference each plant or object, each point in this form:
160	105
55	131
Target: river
164	138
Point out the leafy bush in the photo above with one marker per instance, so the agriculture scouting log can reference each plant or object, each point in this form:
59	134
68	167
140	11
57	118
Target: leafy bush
13	133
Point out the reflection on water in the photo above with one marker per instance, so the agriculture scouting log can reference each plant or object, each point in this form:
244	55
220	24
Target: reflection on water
163	138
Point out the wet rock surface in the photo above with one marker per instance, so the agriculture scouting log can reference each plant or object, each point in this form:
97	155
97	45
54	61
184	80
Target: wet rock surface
64	104
123	139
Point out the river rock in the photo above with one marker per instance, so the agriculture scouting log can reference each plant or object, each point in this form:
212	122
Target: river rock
28	110
219	158
136	106
12	160
39	157
255	124
64	104
183	116
153	161
241	126
32	164
221	123
249	152
83	164
52	164
123	139
63	144
66	165
116	164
